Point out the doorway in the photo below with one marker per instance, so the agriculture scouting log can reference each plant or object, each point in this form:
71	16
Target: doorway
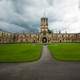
44	40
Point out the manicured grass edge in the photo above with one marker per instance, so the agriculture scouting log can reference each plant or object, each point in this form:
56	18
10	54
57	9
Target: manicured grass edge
60	60
34	60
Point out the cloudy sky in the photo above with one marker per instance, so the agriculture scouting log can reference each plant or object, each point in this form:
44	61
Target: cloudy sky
24	15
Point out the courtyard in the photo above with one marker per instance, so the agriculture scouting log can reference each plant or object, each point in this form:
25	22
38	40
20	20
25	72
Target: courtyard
31	52
46	68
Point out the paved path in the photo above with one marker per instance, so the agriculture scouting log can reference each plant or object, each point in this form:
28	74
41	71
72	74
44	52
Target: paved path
46	56
44	69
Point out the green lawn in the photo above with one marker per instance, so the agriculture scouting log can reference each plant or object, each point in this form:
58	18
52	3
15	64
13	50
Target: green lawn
19	52
66	51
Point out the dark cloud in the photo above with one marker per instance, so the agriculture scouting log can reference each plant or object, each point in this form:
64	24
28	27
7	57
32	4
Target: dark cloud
15	15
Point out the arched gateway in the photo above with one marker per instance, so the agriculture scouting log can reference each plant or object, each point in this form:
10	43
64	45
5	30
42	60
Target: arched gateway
44	40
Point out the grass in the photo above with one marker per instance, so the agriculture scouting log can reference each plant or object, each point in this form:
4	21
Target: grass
19	52
66	51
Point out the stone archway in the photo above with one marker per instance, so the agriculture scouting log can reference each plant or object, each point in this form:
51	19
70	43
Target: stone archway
44	40
60	41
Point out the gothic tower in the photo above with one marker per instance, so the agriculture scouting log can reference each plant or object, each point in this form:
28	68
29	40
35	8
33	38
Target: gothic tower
44	25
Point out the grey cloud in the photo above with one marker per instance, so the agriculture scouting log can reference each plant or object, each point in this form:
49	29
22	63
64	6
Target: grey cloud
10	27
25	14
50	2
15	17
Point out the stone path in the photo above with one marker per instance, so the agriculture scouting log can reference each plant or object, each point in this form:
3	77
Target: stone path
44	69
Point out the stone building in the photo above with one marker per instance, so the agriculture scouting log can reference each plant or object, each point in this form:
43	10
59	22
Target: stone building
44	36
6	37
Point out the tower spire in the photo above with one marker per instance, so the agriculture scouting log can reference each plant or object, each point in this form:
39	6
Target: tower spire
44	13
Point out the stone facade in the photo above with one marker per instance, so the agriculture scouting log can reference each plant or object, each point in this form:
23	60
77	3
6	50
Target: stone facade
45	36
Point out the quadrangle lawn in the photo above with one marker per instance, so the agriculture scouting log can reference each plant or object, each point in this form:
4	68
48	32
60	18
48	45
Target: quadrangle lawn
65	51
19	52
